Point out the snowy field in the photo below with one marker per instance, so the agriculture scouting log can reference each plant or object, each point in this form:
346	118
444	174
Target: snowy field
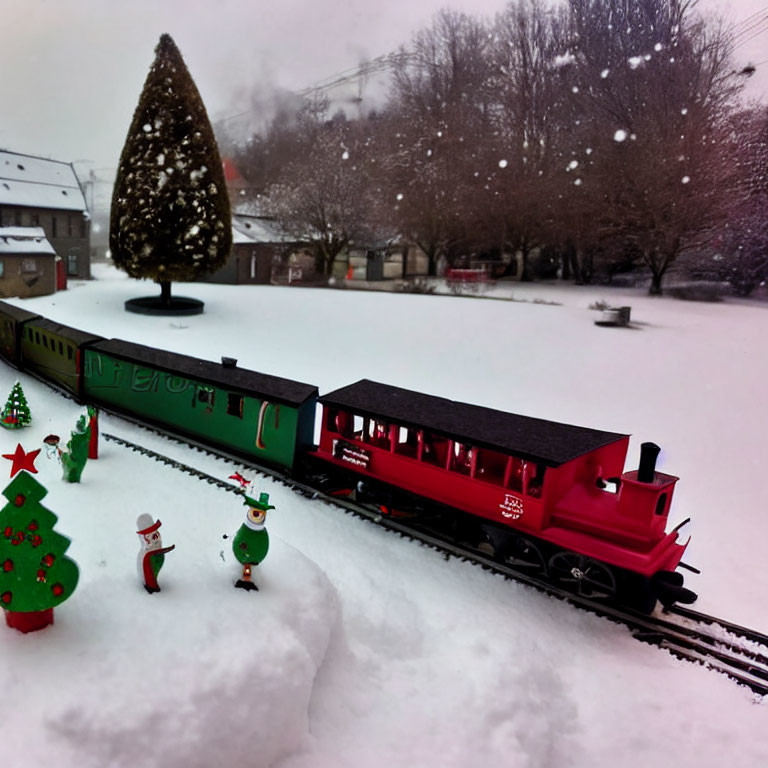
361	649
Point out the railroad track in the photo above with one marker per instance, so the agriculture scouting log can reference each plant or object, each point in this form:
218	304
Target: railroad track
737	652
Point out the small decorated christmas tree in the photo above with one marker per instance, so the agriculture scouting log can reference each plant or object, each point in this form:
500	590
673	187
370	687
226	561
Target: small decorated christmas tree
35	576
16	412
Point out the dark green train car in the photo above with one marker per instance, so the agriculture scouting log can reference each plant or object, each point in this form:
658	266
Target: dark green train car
252	414
11	327
54	351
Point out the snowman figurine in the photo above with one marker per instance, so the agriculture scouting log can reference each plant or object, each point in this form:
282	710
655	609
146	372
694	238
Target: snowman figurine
152	553
251	542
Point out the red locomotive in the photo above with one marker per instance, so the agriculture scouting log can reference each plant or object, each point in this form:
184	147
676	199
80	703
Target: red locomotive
544	496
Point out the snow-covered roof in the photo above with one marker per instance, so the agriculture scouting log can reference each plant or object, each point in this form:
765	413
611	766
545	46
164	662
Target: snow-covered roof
258	229
22	240
39	183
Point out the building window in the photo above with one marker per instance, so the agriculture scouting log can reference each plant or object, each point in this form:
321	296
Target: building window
17	217
2	268
235	405
54	227
253	267
35	217
72	262
28	265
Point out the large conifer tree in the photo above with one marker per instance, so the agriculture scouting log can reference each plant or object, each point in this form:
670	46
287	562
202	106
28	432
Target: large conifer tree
170	217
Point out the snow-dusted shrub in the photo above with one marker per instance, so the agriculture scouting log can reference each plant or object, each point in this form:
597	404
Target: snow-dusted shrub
170	217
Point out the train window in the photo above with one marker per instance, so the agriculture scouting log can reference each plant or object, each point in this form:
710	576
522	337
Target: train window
205	395
235	405
535	479
338	421
661	504
45	342
407	442
461	458
514	474
491	466
358	424
37	337
61	348
69	353
377	433
434	449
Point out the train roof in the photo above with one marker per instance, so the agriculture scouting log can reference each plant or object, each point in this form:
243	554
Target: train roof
16	313
74	334
547	442
261	385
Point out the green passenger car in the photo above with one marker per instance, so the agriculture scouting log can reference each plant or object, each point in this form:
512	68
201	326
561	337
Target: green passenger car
55	352
252	414
11	319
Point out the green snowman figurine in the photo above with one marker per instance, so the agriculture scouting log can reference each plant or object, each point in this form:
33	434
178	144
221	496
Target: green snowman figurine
251	542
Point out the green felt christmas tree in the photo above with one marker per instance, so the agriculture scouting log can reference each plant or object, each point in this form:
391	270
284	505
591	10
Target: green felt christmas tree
35	575
16	412
75	457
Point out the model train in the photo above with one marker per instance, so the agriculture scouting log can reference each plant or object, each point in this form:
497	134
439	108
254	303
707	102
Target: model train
550	499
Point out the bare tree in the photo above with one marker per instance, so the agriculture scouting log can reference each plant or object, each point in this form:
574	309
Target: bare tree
323	198
436	118
744	237
522	151
655	87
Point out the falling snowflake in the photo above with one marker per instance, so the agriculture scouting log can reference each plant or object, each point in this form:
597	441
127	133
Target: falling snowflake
399	196
502	163
635	61
657	47
620	135
684	111
577	182
686	179
605	73
345	155
573	164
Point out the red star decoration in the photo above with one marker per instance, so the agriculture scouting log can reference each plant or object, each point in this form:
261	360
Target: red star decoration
22	460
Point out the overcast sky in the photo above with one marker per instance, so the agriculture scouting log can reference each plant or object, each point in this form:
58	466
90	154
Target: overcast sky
71	71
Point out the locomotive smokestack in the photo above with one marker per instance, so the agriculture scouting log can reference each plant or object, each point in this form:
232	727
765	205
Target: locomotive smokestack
649	452
229	362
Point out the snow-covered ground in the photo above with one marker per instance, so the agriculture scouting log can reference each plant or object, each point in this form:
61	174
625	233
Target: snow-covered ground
363	649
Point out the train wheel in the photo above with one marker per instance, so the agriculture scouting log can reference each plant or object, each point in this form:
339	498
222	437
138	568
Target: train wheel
522	553
583	575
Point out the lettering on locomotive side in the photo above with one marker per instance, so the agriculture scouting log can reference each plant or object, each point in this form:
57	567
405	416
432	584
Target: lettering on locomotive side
512	507
351	454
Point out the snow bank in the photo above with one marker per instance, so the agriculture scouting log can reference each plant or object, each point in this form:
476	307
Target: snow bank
201	674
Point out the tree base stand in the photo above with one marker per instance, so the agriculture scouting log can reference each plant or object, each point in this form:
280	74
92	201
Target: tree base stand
154	305
29	621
